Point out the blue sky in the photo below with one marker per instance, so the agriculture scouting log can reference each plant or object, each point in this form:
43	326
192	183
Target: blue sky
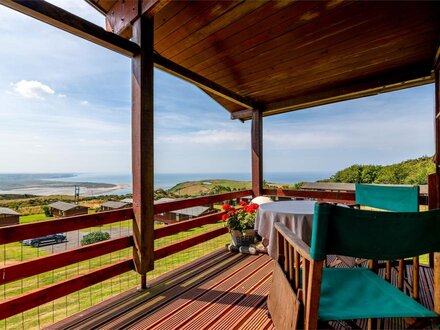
65	107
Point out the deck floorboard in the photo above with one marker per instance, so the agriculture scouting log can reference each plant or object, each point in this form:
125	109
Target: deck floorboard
221	291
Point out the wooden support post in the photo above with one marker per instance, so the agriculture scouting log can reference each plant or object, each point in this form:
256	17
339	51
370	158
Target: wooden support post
434	184
142	148
437	121
257	152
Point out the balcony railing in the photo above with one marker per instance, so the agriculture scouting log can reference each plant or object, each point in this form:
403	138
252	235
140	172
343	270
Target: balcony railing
169	240
30	297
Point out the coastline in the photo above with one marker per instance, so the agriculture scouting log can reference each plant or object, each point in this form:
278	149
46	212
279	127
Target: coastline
67	190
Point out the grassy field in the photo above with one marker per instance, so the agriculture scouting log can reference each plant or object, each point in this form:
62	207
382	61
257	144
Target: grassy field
206	186
66	306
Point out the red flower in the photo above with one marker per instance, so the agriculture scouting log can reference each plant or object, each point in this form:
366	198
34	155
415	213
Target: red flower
226	207
243	203
231	211
225	217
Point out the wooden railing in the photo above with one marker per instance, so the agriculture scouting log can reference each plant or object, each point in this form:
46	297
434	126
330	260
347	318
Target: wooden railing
328	196
37	266
25	269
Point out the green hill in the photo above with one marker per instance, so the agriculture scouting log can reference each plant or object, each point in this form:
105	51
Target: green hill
413	171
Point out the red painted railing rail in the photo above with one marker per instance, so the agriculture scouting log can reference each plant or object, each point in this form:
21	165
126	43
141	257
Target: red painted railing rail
41	265
331	196
17	233
197	201
57	290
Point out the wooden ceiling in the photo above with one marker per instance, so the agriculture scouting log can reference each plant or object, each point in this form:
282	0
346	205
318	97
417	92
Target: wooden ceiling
288	55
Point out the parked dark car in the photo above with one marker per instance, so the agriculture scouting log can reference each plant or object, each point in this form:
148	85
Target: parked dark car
45	240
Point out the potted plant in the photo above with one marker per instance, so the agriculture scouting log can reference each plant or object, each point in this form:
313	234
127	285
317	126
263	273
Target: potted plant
240	222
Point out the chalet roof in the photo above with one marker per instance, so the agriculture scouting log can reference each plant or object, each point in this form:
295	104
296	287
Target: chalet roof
114	205
288	55
63	206
165	200
7	211
127	200
192	211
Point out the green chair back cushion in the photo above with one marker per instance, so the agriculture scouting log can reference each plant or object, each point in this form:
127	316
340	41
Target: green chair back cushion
373	235
391	198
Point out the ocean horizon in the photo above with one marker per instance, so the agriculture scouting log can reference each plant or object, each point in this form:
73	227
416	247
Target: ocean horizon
26	182
169	180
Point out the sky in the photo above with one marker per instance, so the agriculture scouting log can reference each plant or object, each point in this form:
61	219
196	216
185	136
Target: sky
65	107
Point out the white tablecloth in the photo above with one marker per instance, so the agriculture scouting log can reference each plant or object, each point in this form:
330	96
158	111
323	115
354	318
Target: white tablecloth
296	215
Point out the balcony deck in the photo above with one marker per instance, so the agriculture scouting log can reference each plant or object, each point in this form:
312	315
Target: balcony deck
221	291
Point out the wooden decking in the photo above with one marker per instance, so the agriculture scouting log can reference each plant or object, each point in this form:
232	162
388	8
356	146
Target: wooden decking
222	291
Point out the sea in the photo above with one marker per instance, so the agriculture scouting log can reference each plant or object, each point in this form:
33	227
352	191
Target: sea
168	180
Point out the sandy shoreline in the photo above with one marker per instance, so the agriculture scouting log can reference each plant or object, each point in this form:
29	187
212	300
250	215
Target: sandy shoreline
84	191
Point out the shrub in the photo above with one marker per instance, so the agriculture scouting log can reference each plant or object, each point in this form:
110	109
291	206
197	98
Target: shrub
46	210
94	237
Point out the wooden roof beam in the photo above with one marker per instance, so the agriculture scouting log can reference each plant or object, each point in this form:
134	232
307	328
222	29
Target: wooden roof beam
437	56
411	76
64	20
120	16
204	83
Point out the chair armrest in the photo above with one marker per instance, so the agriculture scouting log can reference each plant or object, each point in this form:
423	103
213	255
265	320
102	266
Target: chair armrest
300	246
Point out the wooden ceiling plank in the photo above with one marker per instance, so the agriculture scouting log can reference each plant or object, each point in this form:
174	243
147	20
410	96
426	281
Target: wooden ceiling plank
413	75
327	85
102	7
183	21
62	19
152	7
205	84
317	84
336	36
341	52
336	68
214	23
352	54
286	35
195	54
249	40
165	16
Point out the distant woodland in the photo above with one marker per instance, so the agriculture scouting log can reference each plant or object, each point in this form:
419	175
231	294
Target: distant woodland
413	171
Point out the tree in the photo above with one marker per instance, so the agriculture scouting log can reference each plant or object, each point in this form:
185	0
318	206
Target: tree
46	210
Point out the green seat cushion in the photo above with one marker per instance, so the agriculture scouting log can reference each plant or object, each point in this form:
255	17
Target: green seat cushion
358	293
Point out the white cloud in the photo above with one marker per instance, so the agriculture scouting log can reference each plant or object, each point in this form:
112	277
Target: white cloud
61	96
84	103
32	89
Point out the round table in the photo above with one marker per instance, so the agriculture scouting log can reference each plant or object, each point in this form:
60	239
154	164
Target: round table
296	215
